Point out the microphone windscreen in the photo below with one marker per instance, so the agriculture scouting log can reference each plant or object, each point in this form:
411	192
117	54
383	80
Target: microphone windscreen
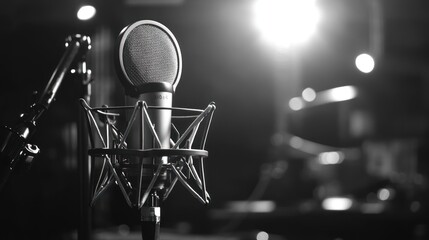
148	53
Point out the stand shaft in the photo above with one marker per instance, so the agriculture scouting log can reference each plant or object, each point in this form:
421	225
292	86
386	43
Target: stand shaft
151	218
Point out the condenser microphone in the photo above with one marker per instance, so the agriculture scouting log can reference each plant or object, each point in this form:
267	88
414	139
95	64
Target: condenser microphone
149	65
137	151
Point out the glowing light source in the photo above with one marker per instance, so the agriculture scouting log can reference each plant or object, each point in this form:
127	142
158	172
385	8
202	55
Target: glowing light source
337	203
86	12
342	93
309	94
330	158
365	63
253	206
296	103
296	142
385	194
262	235
311	99
286	22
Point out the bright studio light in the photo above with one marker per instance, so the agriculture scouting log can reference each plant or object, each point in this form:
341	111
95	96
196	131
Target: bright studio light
86	12
286	22
365	63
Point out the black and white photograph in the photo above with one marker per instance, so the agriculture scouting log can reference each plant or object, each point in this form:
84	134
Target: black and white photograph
214	120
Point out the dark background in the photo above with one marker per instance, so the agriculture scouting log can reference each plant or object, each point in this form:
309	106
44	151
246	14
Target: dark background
225	61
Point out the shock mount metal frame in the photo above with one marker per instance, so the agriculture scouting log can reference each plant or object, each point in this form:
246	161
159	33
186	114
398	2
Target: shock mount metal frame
108	148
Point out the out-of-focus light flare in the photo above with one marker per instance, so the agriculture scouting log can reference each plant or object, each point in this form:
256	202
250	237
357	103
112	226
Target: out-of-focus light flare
337	203
384	194
262	235
296	103
253	206
415	206
343	93
86	12
286	22
296	142
365	63
309	94
330	158
311	99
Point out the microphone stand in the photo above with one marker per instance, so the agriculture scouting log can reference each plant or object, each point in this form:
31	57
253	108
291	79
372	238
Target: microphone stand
151	218
15	150
84	166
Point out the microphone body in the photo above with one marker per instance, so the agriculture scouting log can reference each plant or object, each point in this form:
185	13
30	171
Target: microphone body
142	138
161	118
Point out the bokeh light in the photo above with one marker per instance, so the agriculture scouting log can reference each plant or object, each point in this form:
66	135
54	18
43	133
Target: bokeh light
86	12
286	22
365	63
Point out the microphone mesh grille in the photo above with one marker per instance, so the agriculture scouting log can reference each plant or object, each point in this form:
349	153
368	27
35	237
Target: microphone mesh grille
149	55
